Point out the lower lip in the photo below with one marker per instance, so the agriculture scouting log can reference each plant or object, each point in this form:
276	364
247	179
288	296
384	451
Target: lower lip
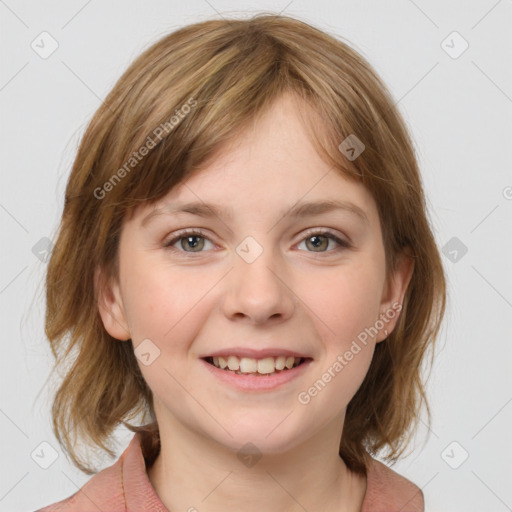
257	383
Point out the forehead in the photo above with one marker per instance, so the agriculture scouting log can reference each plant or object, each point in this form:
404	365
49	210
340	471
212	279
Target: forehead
271	166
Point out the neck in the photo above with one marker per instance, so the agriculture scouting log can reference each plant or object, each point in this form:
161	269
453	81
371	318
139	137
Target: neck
193	472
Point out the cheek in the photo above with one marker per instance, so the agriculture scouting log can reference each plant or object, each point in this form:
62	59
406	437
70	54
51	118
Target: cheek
346	301
161	300
345	314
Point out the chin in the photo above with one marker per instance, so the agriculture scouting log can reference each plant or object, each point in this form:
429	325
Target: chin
267	435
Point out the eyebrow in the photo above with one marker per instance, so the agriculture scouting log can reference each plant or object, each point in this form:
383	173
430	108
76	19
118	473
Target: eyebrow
300	209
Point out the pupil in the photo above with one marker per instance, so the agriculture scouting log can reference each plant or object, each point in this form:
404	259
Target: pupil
191	244
318	242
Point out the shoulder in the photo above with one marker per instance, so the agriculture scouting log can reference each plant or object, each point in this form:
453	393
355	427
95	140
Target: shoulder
123	486
386	490
104	489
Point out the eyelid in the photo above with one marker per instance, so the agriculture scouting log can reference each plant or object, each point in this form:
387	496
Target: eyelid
178	235
343	240
344	244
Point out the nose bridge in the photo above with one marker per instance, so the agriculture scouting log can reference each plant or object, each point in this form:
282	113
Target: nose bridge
257	290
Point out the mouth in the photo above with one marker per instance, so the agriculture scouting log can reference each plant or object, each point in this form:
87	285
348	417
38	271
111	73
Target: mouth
266	366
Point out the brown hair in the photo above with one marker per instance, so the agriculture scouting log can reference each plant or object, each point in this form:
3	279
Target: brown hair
181	99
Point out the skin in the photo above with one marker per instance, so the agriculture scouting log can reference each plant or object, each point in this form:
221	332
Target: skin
295	295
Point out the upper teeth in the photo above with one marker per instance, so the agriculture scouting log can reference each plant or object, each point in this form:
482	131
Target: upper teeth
249	365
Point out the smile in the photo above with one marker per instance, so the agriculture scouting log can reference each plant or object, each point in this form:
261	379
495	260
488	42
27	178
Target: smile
248	365
253	381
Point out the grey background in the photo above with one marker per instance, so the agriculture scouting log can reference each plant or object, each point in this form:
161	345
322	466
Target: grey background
459	109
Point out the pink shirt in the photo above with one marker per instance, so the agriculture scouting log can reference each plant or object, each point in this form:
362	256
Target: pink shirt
125	487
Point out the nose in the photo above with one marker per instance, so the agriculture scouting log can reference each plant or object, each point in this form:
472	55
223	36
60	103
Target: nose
258	290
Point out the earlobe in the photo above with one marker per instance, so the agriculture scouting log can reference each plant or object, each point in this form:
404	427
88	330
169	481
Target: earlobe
393	295
110	306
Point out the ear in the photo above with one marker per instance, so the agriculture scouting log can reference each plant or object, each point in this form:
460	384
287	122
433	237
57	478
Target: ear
111	306
393	294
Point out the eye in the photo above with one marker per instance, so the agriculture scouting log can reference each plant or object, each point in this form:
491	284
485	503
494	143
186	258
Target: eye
195	239
189	238
314	240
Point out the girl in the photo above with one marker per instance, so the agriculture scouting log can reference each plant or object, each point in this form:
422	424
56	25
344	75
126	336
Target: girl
245	265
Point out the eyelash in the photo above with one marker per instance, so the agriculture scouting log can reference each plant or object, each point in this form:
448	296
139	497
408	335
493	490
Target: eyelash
196	232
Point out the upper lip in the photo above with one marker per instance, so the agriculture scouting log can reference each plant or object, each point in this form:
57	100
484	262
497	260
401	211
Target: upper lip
255	353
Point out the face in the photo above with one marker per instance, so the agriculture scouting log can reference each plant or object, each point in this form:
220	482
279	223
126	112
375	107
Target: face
255	280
